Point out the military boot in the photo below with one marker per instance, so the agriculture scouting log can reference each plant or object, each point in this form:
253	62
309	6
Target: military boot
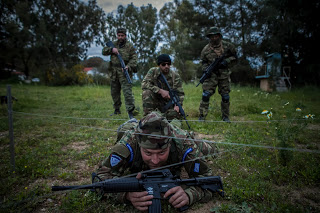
201	117
225	111
130	113
226	119
116	112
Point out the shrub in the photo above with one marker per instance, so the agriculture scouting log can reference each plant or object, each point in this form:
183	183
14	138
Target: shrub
61	76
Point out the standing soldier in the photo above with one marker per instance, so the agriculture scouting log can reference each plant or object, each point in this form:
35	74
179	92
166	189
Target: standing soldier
155	93
221	78
117	76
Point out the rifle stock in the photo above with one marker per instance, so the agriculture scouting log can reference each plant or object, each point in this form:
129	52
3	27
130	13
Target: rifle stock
123	65
154	182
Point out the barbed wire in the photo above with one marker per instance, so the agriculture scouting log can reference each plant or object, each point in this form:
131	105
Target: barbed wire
207	141
161	136
123	119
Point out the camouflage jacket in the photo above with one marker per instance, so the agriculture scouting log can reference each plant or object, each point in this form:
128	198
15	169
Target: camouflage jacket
128	54
151	82
126	158
208	56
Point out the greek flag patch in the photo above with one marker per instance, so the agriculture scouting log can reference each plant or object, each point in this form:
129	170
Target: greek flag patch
114	160
196	167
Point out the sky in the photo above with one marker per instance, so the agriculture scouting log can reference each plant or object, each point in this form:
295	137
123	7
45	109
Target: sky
112	5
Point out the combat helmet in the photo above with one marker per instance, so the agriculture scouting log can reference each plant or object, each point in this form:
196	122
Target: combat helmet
154	131
213	31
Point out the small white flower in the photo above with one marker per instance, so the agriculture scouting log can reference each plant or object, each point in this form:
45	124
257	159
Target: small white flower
298	109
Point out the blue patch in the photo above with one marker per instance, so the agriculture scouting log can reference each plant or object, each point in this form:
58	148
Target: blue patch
131	152
186	153
114	160
196	167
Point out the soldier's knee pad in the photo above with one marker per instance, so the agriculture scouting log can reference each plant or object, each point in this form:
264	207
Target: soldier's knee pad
206	96
225	98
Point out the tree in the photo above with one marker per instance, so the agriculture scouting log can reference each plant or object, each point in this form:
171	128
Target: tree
182	34
93	62
293	30
48	33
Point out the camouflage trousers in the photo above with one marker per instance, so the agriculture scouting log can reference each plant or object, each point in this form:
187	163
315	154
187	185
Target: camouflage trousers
152	102
118	82
209	87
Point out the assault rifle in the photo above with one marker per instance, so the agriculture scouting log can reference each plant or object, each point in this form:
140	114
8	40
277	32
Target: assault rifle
154	182
174	99
213	67
123	65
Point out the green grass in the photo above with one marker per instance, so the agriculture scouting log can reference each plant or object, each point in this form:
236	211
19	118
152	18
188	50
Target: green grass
62	133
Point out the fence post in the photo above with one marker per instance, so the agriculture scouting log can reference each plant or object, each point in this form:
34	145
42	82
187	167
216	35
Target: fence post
9	104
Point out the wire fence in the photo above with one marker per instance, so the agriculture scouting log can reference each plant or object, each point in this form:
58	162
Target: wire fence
198	140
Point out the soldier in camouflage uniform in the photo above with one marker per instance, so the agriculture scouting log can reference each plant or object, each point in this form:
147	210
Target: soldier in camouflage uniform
155	93
210	52
152	143
117	77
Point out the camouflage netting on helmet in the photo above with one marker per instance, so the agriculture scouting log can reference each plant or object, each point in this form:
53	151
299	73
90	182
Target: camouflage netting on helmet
153	131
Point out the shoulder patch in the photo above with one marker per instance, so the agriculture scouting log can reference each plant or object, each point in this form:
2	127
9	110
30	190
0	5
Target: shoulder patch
121	150
196	167
115	160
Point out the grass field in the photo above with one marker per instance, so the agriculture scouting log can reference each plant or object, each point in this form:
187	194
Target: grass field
62	133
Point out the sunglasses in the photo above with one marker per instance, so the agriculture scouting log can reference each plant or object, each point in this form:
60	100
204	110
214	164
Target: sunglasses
164	64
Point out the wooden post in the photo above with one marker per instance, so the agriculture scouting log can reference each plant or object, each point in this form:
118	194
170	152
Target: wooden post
9	104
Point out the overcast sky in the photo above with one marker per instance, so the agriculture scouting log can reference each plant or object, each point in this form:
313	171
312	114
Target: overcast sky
112	5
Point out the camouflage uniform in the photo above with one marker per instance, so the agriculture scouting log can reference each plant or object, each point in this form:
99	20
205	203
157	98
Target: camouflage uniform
126	156
151	86
117	77
220	79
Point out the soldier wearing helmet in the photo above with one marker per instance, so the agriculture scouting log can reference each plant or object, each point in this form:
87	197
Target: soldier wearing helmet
117	77
153	143
221	78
